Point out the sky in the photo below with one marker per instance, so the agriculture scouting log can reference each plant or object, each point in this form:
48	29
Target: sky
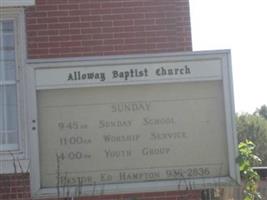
241	26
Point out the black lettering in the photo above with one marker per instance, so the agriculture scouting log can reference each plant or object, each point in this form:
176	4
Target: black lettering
114	124
70	78
77	75
135	176
162	71
102	77
167	136
155	151
121	138
158	121
187	70
131	107
115	74
131	73
117	153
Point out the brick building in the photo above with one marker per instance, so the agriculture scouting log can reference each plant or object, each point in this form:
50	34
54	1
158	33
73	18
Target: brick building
55	30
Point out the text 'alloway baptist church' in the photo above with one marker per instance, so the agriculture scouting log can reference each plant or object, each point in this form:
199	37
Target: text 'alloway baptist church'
132	73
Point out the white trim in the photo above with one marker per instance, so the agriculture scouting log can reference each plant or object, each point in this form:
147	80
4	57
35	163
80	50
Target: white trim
17	165
8	82
132	58
15	3
8	147
62	61
53	64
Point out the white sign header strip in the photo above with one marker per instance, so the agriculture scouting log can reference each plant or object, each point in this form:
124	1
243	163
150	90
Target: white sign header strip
128	74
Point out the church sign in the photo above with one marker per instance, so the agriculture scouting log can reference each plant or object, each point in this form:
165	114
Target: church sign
132	124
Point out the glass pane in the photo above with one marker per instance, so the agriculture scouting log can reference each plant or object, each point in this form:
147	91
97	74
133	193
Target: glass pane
8	95
8	64
7	26
8	74
7	42
8	108
7	51
7	55
3	139
2	119
12	137
8	88
11	117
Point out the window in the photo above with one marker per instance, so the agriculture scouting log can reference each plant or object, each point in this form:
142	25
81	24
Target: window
8	88
13	107
12	85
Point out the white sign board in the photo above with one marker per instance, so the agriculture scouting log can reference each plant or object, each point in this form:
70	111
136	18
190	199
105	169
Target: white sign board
134	124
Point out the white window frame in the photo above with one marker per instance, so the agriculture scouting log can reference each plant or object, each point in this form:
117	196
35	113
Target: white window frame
12	3
17	161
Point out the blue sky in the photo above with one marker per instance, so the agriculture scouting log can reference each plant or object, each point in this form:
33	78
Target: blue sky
239	25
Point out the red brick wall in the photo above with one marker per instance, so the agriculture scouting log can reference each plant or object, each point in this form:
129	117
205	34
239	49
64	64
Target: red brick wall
16	187
67	28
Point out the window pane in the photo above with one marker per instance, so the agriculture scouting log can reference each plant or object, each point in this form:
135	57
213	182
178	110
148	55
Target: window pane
7	26
8	95
7	51
8	64
8	42
8	116
7	55
8	88
7	70
12	137
12	117
8	108
9	74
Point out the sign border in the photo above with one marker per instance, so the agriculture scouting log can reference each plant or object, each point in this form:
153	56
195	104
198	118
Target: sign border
156	186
